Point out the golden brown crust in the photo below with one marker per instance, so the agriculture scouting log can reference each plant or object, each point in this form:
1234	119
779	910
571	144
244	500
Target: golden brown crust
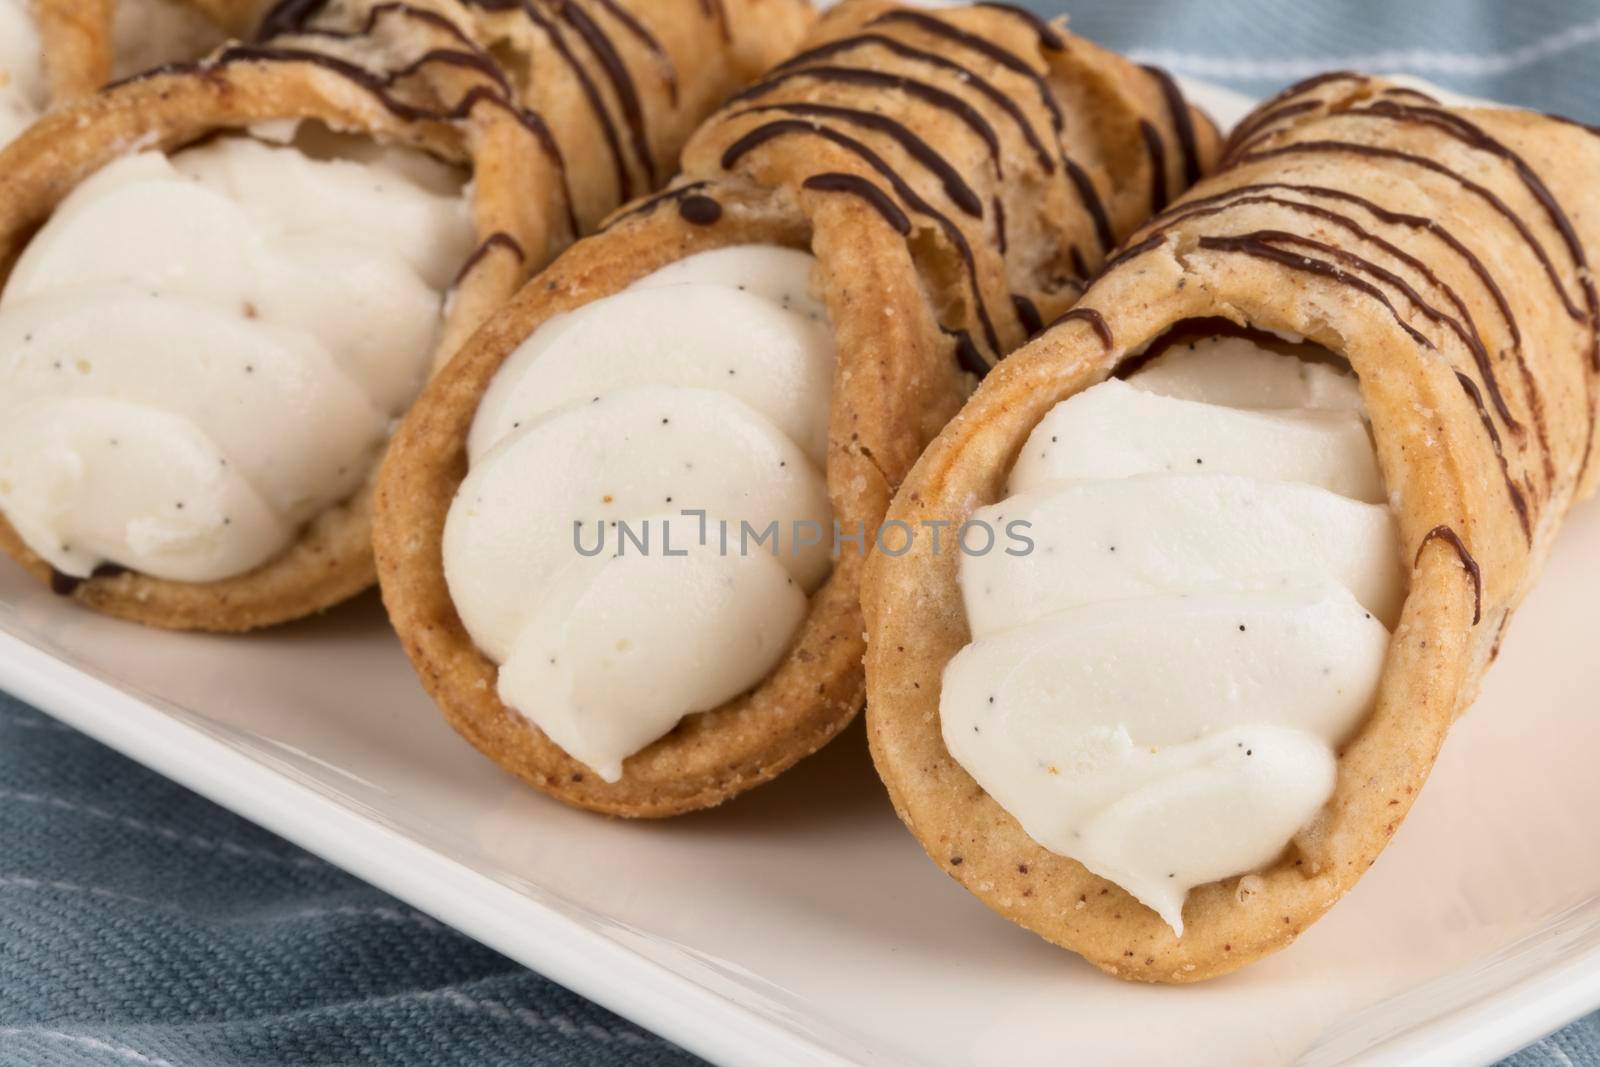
76	37
1314	185
427	462
897	302
398	76
166	111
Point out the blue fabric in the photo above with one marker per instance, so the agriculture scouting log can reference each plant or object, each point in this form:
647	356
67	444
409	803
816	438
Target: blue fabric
124	941
143	925
1534	53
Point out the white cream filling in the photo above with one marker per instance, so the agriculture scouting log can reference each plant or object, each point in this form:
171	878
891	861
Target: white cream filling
1158	687
703	387
199	354
24	86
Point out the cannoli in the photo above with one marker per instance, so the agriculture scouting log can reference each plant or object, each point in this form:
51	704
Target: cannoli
738	371
275	242
1265	500
636	78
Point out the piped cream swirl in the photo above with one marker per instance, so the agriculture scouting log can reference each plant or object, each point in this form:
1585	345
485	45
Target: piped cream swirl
1157	689
676	410
201	353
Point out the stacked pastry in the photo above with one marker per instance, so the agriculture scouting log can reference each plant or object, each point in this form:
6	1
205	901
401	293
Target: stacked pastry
1283	475
738	372
225	280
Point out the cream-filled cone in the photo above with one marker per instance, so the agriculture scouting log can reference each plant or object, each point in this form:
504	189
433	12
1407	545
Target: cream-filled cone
405	76
1443	252
955	176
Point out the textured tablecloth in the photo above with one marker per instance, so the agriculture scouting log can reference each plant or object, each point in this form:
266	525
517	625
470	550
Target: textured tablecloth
140	924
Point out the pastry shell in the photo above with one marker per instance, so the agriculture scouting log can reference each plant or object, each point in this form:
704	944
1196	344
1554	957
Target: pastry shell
408	74
907	307
1337	220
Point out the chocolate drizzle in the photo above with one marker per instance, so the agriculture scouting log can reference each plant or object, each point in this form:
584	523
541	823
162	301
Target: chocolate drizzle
1383	214
1264	245
650	203
1277	108
1415	94
1158	165
760	135
699	210
1453	539
968	358
498	239
986	48
1380	265
854	184
955	186
1243	193
1182	123
1131	252
1186	331
615	70
640	33
1095	321
1486	195
1245	133
1474	136
1468	133
963	74
860	131
621	83
1461	324
1316	81
586	85
1027	314
1518	501
451	58
289	16
1091	203
878	79
294	17
379	86
1346	268
1260	245
1049	39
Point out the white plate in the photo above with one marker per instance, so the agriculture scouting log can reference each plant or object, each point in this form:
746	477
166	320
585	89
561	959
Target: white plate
802	924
